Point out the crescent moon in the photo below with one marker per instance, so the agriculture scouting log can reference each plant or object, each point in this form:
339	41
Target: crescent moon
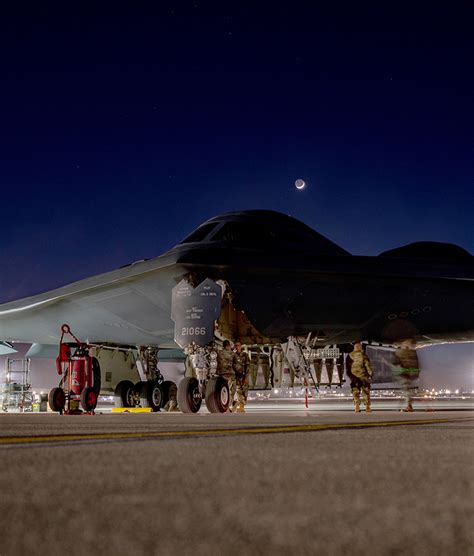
300	184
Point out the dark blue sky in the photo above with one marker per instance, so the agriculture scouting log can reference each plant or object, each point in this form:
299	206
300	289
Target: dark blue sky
121	132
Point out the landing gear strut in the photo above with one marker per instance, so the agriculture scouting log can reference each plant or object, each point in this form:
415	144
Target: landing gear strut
204	385
152	392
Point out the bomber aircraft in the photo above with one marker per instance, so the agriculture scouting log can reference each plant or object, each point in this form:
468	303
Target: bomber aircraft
264	278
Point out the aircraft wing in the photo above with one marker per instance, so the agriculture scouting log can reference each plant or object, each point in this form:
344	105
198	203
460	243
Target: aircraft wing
283	277
130	305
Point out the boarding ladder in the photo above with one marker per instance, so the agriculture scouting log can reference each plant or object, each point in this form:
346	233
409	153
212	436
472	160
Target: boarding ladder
298	363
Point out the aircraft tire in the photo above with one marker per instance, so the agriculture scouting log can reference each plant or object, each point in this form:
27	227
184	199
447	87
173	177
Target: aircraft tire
96	375
57	399
189	397
138	387
217	395
122	394
88	399
151	395
167	386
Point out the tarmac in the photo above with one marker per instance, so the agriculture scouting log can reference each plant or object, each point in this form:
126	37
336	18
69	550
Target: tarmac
264	482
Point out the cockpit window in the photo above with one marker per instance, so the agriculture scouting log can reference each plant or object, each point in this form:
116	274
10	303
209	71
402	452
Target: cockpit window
223	234
201	233
236	233
243	234
265	233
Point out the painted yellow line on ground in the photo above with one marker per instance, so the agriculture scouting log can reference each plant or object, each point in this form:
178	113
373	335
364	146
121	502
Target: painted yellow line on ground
132	410
215	432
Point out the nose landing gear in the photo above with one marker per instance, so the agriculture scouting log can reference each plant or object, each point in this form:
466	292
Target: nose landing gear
205	384
189	395
217	395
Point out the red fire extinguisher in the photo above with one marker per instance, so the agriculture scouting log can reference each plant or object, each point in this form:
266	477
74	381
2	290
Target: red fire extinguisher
79	373
64	356
80	382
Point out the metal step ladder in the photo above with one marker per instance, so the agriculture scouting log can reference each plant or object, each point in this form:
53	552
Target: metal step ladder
16	393
299	364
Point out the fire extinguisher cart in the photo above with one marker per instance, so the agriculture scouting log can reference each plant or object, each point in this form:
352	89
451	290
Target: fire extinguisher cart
79	386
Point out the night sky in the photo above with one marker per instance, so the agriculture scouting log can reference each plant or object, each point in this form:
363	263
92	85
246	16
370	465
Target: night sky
122	131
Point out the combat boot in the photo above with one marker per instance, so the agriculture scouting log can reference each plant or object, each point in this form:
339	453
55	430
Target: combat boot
241	408
368	409
357	408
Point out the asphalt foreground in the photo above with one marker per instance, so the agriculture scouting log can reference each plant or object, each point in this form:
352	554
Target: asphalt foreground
258	483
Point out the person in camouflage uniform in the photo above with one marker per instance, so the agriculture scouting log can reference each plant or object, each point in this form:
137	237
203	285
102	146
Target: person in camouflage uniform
172	404
406	369
225	368
359	371
240	364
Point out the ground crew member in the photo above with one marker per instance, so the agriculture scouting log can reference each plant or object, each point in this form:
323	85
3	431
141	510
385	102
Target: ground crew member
224	368
406	369
359	371
172	404
241	363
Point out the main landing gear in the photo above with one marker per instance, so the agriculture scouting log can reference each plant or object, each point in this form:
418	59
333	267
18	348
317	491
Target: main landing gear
189	395
152	391
149	394
216	394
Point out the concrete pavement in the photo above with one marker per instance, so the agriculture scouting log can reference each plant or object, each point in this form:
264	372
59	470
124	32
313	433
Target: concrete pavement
266	483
